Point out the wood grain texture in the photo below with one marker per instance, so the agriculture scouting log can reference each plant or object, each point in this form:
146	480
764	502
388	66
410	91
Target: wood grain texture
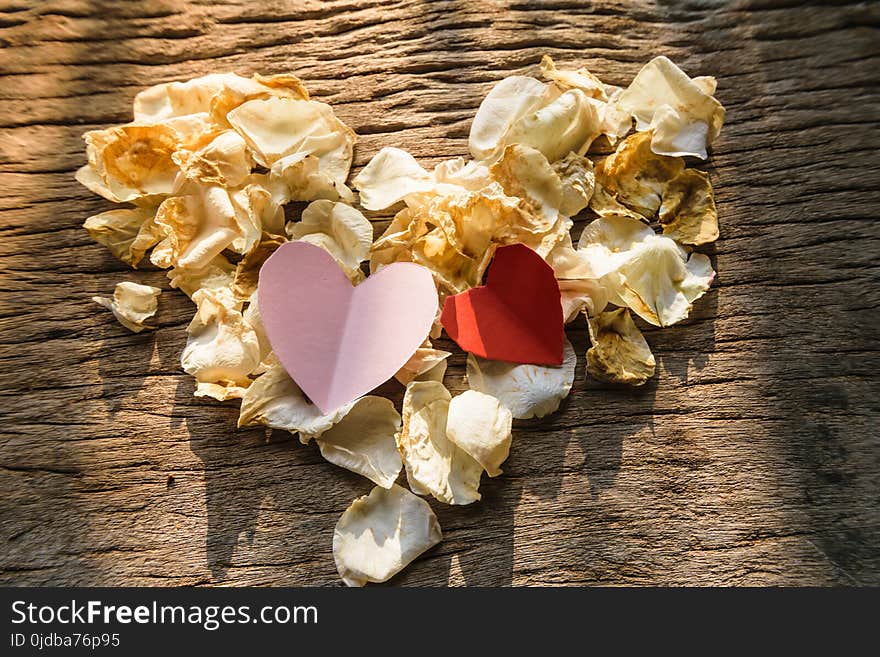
752	457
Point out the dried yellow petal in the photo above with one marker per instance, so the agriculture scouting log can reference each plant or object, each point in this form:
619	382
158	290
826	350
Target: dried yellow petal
619	353
688	213
127	232
132	304
635	177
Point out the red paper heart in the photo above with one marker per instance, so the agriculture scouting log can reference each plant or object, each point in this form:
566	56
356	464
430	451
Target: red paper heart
516	316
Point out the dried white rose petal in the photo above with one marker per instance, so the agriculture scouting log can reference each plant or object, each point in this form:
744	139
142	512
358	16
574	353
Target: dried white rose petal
508	103
276	128
132	304
578	181
133	162
579	288
195	228
221	347
127	232
580	79
226	160
614	122
216	93
527	390
389	177
275	401
434	464
220	392
619	353
339	229
481	426
381	533
525	173
681	113
425	362
363	441
634	177
305	177
569	123
646	272
217	275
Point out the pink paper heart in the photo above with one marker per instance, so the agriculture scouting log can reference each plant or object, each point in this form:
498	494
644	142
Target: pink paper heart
338	341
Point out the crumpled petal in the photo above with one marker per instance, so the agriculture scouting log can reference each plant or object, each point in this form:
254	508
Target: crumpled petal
133	162
205	220
460	174
217	276
241	90
275	401
527	390
426	364
363	441
225	160
525	173
195	228
579	288
614	122
522	110
579	79
688	213
507	104
339	229
381	533
633	177
682	115
619	353
276	128
305	177
434	464
220	392
127	232
221	347
132	304
256	213
646	272
481	426
247	271
391	176
578	181
216	93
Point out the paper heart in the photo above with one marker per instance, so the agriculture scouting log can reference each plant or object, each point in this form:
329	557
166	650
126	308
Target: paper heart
516	316
335	340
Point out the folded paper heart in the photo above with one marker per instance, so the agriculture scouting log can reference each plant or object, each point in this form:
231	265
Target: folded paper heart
338	341
516	316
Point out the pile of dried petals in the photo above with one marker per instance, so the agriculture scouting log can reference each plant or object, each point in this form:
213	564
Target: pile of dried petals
207	165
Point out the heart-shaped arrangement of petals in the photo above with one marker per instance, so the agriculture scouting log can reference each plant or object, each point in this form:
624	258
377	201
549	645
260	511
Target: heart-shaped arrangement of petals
290	320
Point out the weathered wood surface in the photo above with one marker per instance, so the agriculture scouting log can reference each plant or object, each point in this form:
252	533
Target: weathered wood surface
752	458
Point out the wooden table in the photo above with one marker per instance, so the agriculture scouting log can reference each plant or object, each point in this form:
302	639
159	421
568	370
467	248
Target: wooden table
751	458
